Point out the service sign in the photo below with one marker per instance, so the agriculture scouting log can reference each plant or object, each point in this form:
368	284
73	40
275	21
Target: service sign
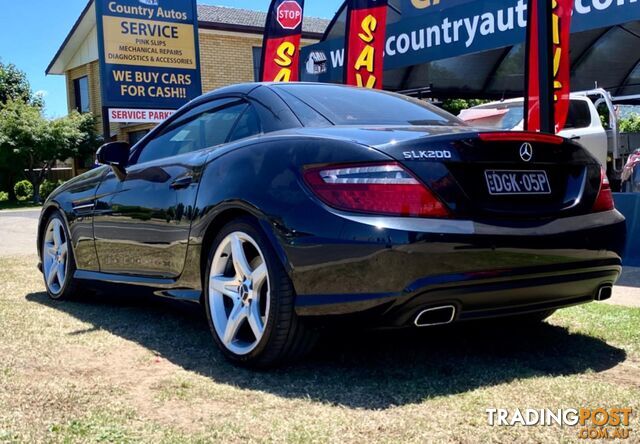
125	115
149	56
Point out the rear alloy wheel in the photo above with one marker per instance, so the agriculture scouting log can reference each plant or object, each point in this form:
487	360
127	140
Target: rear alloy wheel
58	265
249	300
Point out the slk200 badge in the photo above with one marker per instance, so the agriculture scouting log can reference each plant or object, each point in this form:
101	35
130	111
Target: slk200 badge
427	155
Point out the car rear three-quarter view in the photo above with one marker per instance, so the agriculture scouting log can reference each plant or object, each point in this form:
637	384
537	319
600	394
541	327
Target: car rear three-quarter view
284	207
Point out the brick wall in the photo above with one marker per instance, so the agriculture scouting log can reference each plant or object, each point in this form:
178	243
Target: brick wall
226	58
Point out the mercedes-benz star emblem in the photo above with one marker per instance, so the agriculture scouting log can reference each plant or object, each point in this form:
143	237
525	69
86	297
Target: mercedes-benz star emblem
526	152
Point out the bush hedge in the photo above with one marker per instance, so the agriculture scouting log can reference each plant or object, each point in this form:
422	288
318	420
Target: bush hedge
23	190
47	187
630	124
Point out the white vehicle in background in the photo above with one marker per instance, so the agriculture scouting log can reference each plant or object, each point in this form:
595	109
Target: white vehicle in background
583	123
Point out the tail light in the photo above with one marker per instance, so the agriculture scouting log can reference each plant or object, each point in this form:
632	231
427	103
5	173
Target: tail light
521	136
374	188
604	201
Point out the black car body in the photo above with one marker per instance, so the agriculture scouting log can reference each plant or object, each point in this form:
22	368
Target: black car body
473	243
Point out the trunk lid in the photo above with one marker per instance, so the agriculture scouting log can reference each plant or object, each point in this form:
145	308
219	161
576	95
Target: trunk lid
455	161
503	175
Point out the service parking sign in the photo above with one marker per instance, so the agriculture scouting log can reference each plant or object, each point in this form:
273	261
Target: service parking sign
290	15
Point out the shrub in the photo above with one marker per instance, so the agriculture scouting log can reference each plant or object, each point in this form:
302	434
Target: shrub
4	196
47	187
23	190
630	124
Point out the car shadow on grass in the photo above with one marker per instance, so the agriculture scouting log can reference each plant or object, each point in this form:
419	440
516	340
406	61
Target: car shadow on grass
369	370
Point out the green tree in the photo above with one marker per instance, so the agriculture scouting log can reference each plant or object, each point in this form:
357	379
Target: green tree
454	106
631	124
14	86
30	140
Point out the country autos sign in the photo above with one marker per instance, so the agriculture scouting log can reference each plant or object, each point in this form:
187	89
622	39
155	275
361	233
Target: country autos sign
149	57
435	30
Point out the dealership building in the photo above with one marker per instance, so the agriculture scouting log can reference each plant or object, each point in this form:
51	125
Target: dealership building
450	48
230	42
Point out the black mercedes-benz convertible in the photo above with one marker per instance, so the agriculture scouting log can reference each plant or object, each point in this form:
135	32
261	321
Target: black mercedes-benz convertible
283	207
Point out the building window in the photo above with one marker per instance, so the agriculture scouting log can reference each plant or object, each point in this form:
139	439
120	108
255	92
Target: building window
136	136
81	92
257	62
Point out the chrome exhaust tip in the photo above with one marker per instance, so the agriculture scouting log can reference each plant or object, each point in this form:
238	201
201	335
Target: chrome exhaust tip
605	292
436	316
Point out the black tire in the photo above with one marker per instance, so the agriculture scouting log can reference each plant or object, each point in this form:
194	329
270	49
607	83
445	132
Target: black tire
286	337
71	288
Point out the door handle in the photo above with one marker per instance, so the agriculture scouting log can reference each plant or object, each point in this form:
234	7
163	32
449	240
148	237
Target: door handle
182	182
574	137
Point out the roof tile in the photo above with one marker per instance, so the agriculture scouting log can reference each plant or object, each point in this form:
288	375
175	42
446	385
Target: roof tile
245	17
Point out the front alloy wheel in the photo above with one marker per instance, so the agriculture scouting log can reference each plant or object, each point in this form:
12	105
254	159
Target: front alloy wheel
55	253
249	299
58	263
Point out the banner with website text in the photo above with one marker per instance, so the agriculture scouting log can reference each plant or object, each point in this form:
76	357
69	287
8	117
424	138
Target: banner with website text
281	44
435	30
149	56
364	44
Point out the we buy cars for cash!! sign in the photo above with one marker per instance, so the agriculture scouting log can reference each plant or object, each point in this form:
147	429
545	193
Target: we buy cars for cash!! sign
149	56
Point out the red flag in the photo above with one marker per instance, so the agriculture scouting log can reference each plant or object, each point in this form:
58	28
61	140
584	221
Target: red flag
561	29
557	57
364	46
281	43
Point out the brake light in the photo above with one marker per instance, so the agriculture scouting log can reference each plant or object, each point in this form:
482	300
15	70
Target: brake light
604	201
520	136
374	188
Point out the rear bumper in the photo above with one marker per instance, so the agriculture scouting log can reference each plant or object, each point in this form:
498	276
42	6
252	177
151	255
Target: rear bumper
475	295
483	274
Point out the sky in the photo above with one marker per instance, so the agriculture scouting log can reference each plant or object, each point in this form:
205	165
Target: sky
32	31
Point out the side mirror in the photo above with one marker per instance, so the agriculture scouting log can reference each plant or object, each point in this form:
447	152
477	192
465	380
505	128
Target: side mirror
116	155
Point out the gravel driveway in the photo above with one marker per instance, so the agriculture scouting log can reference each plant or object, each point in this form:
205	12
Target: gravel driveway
18	231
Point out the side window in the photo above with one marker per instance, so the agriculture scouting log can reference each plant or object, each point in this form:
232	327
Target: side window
248	125
579	115
203	127
218	124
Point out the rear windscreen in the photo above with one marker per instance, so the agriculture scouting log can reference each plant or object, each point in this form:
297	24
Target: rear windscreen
359	106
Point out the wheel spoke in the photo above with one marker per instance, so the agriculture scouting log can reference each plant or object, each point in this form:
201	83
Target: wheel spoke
57	236
53	271
237	315
60	273
224	285
63	250
255	320
258	276
51	251
240	262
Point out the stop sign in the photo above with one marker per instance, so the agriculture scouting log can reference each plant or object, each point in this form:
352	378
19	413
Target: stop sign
289	14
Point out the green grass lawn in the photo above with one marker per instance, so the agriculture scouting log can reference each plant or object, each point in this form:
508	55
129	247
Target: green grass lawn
114	368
